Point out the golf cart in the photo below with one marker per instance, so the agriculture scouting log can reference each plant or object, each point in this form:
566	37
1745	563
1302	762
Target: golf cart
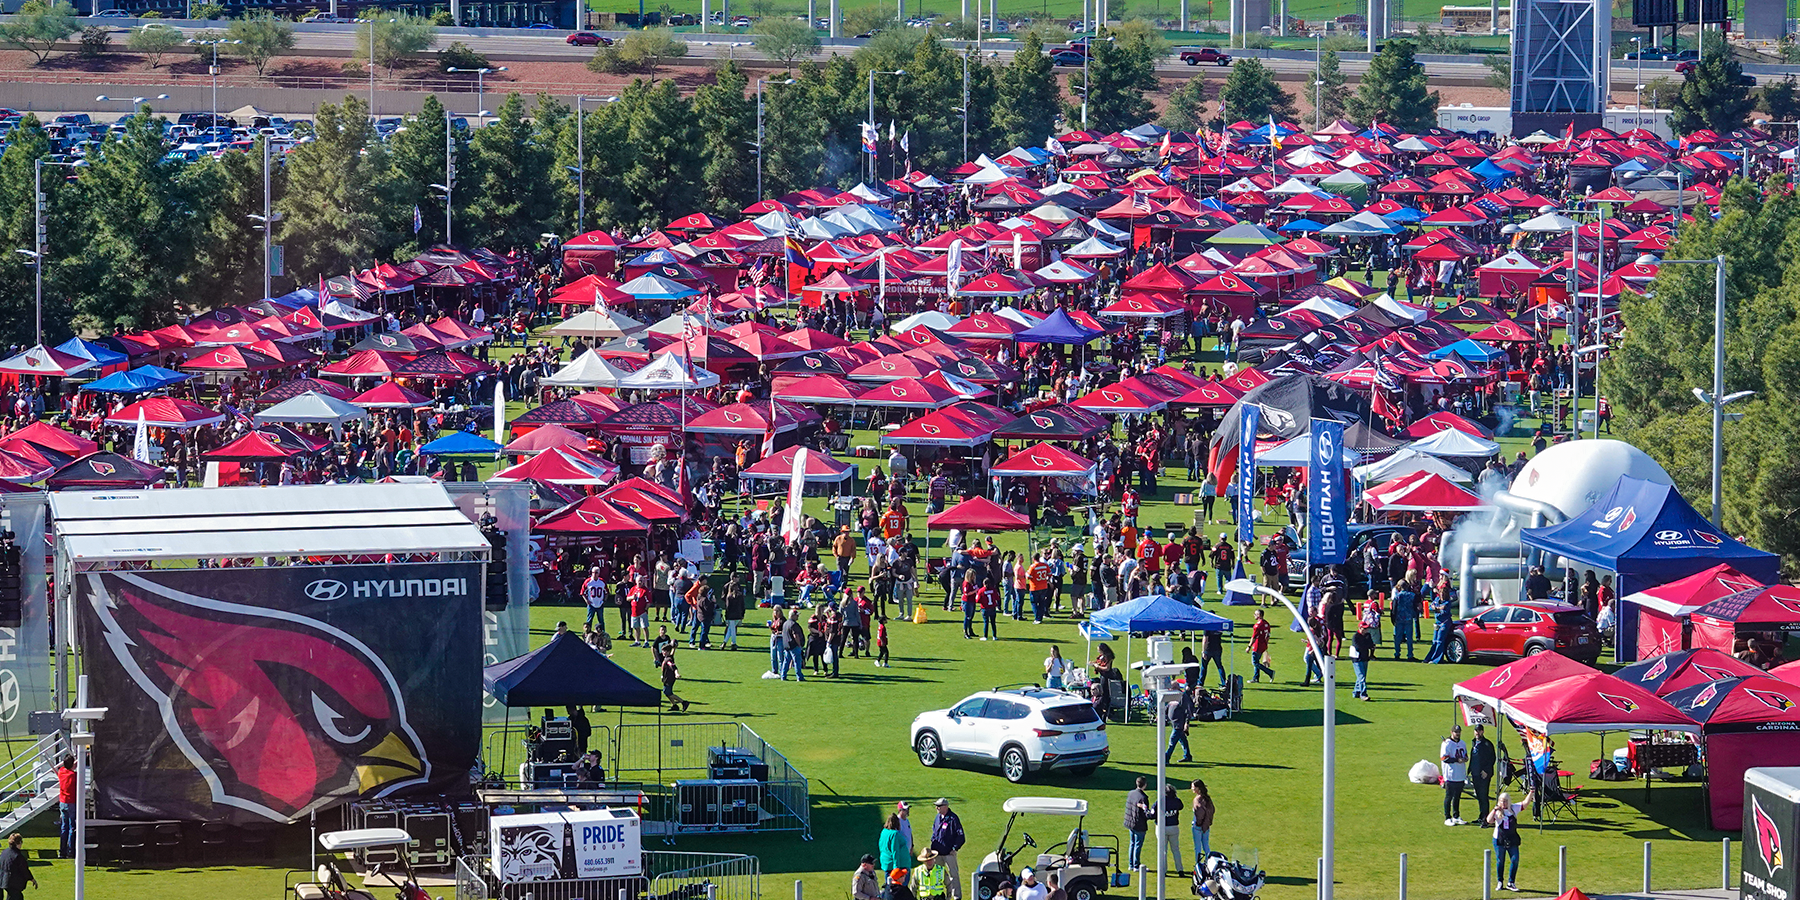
1082	863
329	881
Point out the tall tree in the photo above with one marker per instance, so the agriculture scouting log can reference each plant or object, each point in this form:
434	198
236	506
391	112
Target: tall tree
333	217
1715	94
1250	94
397	38
727	121
227	264
260	38
416	161
1120	74
785	40
1187	106
37	27
155	41
142	216
1327	93
665	165
1394	91
795	126
1030	97
26	144
509	205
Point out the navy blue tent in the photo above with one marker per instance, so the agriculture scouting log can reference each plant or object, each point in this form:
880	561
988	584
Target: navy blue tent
1158	612
461	443
1649	535
1057	328
565	672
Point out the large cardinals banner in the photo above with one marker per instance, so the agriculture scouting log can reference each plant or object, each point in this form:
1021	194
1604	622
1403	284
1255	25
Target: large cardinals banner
1246	472
257	695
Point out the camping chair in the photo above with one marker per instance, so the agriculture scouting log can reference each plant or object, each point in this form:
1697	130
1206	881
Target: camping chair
1555	801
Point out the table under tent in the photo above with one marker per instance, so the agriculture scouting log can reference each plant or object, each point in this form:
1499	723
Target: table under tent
1150	617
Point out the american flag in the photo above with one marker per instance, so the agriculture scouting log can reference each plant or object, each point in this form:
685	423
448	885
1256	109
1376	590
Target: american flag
1140	202
690	327
759	270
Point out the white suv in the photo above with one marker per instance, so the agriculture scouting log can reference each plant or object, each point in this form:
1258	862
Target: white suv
1022	730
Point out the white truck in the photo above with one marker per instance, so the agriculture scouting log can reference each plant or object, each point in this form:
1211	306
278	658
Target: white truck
1498	119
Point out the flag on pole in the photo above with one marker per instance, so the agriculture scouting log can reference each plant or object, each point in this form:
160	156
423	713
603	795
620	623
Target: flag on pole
892	131
1140	202
871	136
140	446
1053	146
500	412
418	219
906	141
796	256
768	441
953	266
791	517
1163	151
1274	136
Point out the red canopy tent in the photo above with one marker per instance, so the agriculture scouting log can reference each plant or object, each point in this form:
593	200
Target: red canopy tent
253	447
390	395
561	465
166	412
1662	611
544	437
1482	695
909	393
18	468
648	499
1771	612
51	437
591	517
819	389
979	514
820	467
1671	672
1044	460
1746	722
1593	701
1421	492
365	363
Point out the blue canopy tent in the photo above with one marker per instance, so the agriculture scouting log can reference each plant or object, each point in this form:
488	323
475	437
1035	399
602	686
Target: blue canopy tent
1647	534
141	380
1469	349
1154	613
461	443
103	356
1405	215
1058	328
1493	175
1302	226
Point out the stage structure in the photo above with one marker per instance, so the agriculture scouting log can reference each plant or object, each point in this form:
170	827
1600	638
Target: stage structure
268	652
1560	50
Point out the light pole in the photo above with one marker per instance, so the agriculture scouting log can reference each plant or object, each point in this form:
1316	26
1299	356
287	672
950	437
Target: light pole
1716	398
1329	681
898	73
1318	76
1639	53
758	143
266	222
963	110
81	735
214	70
40	241
448	188
480	73
580	167
1162	695
1087	87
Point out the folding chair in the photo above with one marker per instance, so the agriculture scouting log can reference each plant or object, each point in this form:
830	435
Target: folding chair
1555	801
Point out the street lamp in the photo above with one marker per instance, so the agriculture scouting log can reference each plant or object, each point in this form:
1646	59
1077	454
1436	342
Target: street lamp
265	223
1157	675
1715	398
372	64
81	734
1087	53
214	71
135	102
1318	76
758	143
480	73
40	240
1329	681
448	188
1639	53
898	73
963	110
580	167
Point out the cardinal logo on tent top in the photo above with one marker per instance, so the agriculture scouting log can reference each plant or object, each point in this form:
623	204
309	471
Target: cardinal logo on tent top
1042	421
388	340
732	417
1040	461
1704	697
1772	699
965	368
1504	676
1709	537
1622	704
1656	671
1788	603
811	362
1630	517
589	517
1713	673
888	366
1112	396
1768	836
930	429
105	468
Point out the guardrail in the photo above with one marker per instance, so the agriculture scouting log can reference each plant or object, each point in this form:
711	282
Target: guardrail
668	875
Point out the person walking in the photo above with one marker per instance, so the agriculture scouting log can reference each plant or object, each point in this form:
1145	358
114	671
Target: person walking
1362	649
734	613
1481	770
1212	654
1179	711
903	811
1137	822
15	868
947	838
1259	648
1446	623
1454	756
1202	810
594	590
891	845
66	799
1505	819
670	675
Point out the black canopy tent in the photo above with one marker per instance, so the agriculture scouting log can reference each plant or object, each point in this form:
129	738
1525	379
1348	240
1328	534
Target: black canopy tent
564	672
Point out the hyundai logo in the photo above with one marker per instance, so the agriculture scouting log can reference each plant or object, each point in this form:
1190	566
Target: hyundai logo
1670	536
326	590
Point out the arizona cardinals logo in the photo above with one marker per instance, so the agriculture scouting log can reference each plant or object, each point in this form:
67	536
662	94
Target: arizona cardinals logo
1791	604
1112	396
811	362
1042	421
1503	677
1713	673
887	366
733	417
221	359
1772	699
1630	517
1705	697
388	340
1768	836
930	429
105	468
1039	461
1709	538
1656	671
591	518
281	714
1622	704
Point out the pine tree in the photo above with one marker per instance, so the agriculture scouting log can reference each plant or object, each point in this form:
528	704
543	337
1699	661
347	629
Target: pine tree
1122	71
1329	96
794	131
27	143
333	219
664	175
1030	98
509	205
1186	106
1393	91
1714	95
1250	94
415	163
727	120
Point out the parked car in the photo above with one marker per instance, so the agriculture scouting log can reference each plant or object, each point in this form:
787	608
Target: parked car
741	22
111	14
1525	629
1194	56
589	39
328	19
540	26
1066	57
1020	730
1651	53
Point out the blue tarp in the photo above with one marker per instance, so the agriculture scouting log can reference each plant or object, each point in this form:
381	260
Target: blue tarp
101	354
1469	349
1494	175
565	672
461	443
140	380
1057	328
1158	612
1648	534
1405	215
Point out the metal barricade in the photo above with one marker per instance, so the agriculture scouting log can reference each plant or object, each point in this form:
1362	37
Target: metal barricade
659	755
668	875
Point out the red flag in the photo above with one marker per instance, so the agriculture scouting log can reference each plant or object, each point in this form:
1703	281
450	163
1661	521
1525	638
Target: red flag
1384	406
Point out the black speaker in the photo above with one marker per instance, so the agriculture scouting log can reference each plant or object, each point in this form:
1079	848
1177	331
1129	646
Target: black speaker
697	803
496	595
12	584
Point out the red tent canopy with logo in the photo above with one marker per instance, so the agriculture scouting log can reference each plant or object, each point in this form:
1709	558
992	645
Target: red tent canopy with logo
1045	460
979	514
561	465
591	516
1663	610
1748	721
1483	694
1772	609
648	499
1593	701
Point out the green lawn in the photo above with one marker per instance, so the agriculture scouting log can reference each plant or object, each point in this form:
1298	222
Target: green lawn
850	737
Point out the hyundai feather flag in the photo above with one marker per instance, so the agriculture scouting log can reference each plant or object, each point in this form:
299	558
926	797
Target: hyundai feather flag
1246	472
1326	505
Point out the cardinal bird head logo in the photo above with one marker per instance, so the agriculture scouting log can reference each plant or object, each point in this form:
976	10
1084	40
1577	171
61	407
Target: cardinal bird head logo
1713	673
1704	697
590	517
1709	538
1791	604
811	362
1622	704
105	468
1772	699
281	714
1505	675
1768	836
1656	671
1042	421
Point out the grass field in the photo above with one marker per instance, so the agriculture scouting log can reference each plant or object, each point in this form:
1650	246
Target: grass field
1263	768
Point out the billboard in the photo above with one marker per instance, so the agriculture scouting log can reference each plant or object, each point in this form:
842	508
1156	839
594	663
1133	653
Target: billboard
594	843
245	695
1653	13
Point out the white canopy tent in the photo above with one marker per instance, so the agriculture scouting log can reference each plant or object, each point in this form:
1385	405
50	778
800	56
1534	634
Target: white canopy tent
586	371
312	407
669	373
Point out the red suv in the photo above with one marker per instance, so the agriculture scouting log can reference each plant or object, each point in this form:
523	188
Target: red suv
588	39
1526	629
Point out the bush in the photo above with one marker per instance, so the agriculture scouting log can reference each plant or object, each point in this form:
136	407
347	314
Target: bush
459	56
442	19
606	61
209	11
154	41
149	14
1258	42
95	40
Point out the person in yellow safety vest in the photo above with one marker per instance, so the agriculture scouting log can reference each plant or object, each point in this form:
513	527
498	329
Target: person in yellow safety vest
930	881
